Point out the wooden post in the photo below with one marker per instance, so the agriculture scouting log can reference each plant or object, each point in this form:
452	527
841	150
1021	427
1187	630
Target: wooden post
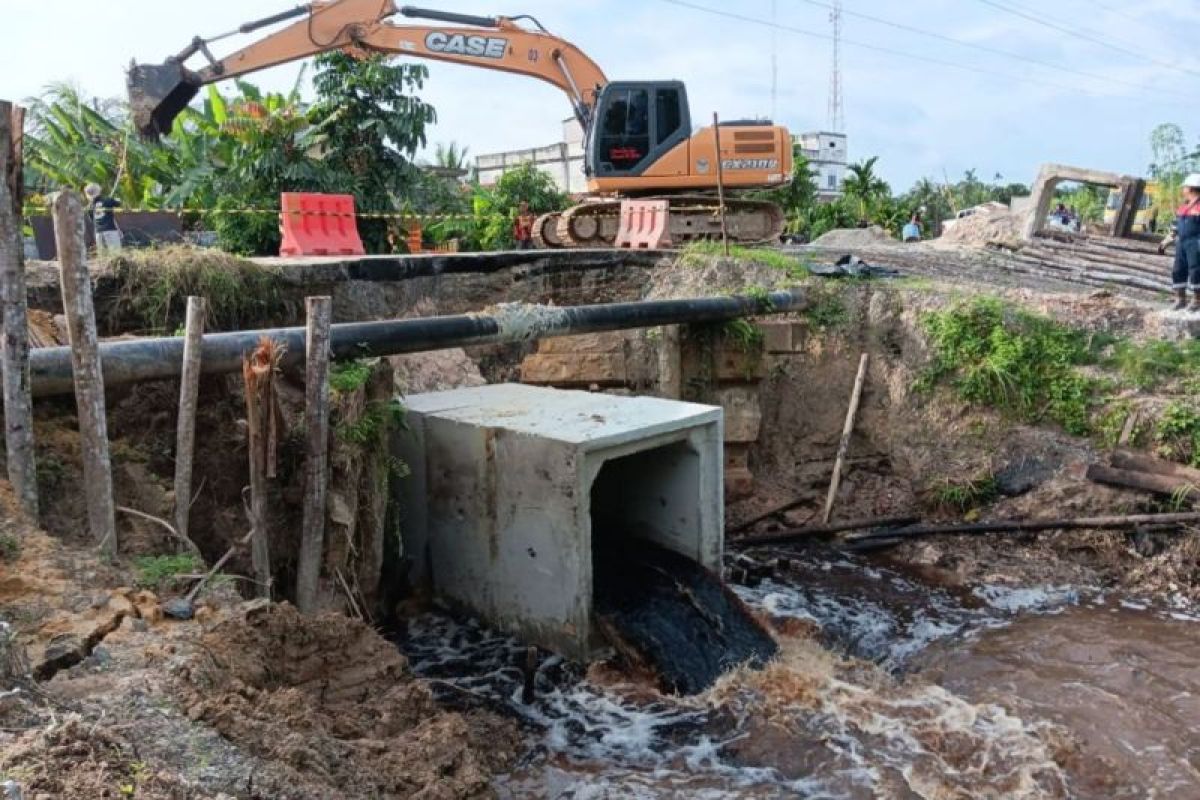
14	357
316	465
258	372
844	444
67	211
721	183
185	429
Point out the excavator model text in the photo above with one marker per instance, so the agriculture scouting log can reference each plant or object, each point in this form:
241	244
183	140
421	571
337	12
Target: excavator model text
639	140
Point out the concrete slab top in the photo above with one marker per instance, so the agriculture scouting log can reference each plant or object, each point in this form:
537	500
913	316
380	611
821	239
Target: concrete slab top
574	417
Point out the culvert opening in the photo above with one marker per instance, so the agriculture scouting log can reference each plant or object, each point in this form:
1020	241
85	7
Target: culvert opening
652	600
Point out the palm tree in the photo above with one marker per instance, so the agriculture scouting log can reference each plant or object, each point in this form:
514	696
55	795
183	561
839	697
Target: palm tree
452	161
864	187
451	156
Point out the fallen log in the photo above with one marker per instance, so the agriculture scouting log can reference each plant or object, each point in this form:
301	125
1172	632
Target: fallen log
1019	526
1172	486
799	534
1144	462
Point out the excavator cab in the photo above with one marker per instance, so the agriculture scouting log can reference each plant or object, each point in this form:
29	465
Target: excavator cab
633	124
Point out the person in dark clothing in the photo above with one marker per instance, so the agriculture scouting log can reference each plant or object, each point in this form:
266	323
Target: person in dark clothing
1186	235
108	235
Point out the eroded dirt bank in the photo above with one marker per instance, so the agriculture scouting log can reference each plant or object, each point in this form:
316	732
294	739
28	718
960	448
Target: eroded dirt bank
945	667
247	700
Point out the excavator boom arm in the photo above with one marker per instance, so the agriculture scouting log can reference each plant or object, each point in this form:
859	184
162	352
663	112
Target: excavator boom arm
159	92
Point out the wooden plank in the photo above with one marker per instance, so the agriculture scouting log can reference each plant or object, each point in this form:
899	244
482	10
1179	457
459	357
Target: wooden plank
1144	462
844	444
185	429
14	355
67	210
1166	485
316	465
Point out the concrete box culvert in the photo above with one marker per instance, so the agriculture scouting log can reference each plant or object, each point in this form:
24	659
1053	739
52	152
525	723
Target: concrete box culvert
510	483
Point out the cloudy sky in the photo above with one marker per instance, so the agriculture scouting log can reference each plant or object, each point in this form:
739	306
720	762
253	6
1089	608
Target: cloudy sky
1083	82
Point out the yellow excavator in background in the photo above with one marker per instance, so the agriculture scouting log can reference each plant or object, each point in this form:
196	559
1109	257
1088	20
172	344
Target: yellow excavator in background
639	140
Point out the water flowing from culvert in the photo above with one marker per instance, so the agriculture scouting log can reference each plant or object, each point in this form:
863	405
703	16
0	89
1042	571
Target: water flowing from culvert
908	690
672	617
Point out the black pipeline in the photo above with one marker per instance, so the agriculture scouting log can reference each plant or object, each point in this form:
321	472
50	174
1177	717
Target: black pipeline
138	360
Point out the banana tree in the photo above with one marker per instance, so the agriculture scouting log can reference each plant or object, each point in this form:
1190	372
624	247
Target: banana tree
73	140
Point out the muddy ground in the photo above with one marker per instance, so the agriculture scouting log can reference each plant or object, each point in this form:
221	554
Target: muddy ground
250	700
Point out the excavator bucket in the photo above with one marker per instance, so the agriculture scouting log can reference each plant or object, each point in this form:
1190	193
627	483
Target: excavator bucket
157	93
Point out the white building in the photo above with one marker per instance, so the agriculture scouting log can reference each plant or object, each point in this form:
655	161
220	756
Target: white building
826	153
562	161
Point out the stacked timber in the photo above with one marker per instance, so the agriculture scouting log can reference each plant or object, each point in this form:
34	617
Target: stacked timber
1096	261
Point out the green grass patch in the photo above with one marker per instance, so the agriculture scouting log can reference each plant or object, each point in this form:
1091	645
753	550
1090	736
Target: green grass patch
1022	363
827	311
10	547
964	495
158	571
700	253
349	376
743	334
156	282
1149	364
1110	424
1177	433
375	420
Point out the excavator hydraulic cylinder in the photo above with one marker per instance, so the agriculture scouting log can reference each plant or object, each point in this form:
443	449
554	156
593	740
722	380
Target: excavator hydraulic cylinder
448	16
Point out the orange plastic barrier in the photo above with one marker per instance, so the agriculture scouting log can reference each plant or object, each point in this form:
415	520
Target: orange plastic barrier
318	225
645	224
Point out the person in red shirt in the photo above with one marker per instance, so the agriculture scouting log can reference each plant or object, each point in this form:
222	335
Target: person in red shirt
523	227
1186	235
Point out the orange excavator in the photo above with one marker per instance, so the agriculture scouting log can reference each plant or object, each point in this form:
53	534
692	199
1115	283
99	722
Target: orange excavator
639	140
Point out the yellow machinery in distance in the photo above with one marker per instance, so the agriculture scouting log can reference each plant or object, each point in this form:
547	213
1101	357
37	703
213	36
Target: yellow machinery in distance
639	140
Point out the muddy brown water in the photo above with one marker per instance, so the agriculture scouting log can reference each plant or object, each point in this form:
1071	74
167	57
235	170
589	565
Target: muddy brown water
907	690
1125	682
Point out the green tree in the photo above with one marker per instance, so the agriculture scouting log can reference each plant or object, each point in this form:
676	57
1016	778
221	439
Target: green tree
1170	165
864	189
495	208
369	123
238	154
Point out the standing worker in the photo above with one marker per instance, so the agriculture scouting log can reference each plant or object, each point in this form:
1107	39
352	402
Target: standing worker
523	227
108	235
1186	236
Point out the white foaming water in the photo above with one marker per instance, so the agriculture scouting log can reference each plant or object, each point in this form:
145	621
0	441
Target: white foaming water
602	743
835	729
880	615
1042	599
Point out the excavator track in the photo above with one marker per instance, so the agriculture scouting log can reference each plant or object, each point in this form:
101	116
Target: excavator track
692	218
545	231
